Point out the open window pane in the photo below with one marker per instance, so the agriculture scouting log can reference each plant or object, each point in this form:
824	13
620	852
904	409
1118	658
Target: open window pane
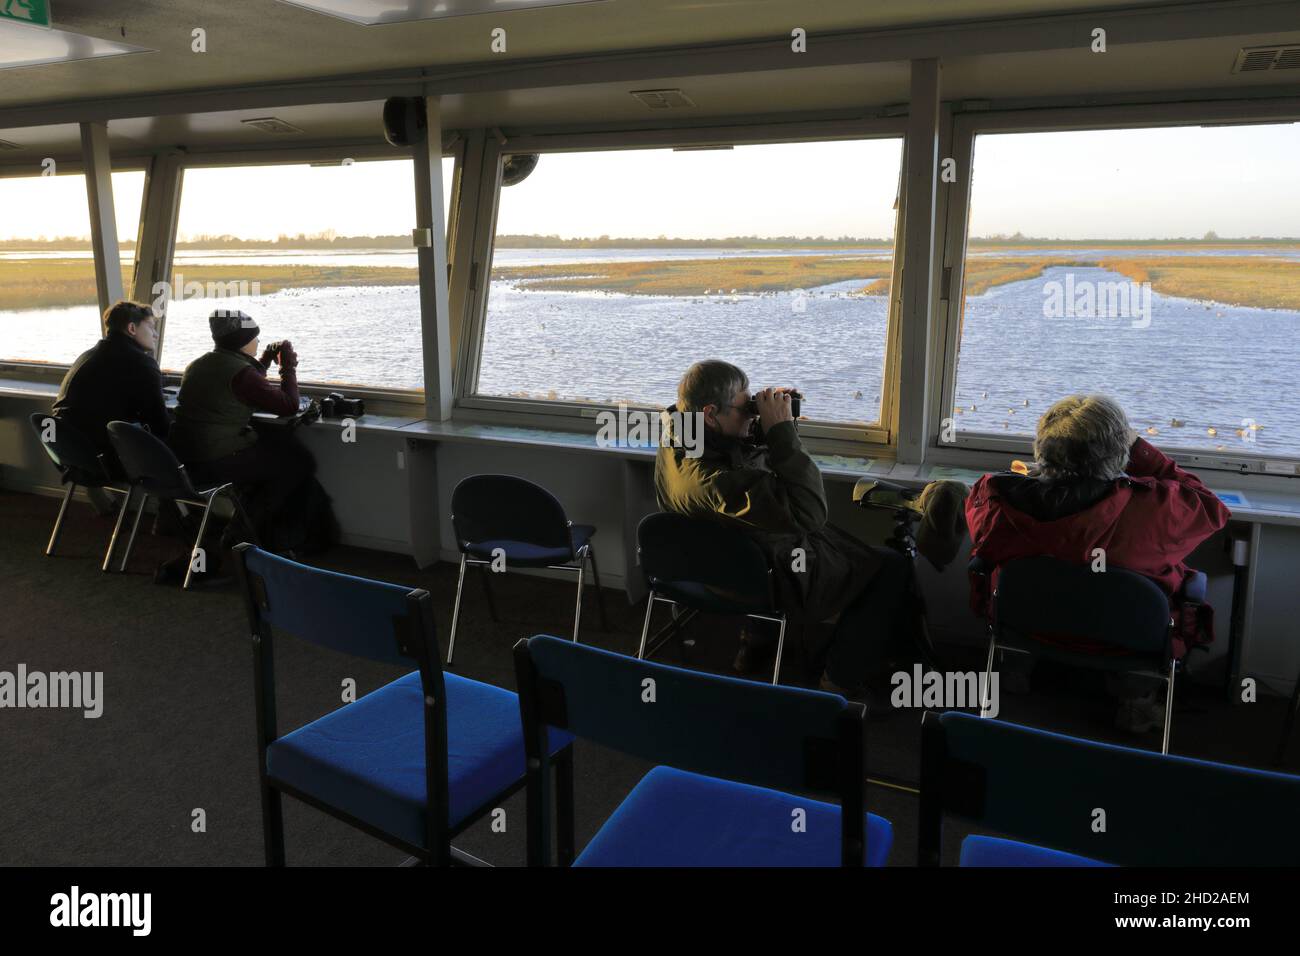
1159	266
318	255
613	271
49	303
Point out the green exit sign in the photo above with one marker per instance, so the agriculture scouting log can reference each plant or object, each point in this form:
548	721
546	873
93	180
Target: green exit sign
35	12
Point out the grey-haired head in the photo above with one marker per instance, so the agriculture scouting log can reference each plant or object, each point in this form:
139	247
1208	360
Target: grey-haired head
1083	436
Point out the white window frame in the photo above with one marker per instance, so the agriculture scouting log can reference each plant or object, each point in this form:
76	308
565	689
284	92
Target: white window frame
361	152
559	413
981	449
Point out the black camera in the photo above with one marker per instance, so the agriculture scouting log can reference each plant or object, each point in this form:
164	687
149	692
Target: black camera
335	405
751	407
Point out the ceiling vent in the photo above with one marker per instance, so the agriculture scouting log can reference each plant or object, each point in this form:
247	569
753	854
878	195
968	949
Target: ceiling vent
271	124
1259	59
5	144
663	99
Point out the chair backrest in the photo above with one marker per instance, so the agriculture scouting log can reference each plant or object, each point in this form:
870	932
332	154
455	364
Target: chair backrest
1051	597
779	737
508	508
70	449
148	462
674	550
370	619
1050	789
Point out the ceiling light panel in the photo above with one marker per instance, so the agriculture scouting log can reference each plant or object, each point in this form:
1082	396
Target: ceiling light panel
24	45
373	12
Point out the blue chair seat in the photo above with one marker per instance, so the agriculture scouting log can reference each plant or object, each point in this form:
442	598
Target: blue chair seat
676	818
523	554
367	757
995	851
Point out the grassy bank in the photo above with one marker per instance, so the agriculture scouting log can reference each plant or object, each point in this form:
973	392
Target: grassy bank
56	283
1254	281
696	276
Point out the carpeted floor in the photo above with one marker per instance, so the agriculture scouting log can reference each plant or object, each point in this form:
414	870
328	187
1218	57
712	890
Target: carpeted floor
177	731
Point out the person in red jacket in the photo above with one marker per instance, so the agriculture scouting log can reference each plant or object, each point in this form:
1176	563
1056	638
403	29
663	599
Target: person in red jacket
1095	484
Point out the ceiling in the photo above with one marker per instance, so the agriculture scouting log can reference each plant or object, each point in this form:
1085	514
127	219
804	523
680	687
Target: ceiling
255	42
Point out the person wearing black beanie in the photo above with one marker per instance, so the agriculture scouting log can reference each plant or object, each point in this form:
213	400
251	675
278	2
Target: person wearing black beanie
214	433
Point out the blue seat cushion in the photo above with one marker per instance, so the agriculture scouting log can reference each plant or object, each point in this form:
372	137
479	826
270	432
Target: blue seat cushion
995	851
524	554
367	757
676	818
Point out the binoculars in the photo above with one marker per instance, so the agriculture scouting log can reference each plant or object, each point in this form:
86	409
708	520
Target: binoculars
335	405
751	407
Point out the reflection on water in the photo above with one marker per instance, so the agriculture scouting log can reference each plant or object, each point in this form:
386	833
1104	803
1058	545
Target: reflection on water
1202	365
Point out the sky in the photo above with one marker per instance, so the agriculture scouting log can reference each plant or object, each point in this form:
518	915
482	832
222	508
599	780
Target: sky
1238	181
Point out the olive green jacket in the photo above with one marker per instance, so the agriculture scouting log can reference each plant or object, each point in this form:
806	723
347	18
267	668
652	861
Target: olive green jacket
773	492
211	421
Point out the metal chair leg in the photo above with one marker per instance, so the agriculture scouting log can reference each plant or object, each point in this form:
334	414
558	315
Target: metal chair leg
600	595
198	543
645	628
577	608
272	826
455	611
1169	706
566	845
58	522
780	644
117	528
135	527
988	675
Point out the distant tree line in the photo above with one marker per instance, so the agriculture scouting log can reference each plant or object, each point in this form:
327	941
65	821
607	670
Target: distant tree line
330	240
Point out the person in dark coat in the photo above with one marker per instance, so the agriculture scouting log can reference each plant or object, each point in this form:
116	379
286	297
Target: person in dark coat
214	434
774	492
117	380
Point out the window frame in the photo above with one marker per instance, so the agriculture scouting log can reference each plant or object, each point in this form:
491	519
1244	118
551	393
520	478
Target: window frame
976	449
47	371
561	413
453	148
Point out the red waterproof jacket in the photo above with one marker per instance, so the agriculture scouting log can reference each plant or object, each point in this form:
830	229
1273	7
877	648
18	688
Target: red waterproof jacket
1149	523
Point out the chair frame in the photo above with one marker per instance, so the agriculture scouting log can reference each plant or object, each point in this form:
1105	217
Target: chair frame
1168	676
71	489
416	638
645	650
581	556
205	500
953	786
662	637
540	710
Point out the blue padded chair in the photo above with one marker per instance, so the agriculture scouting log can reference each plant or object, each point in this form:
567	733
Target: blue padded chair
79	462
731	754
504	515
153	467
705	566
1043	789
413	763
1124	610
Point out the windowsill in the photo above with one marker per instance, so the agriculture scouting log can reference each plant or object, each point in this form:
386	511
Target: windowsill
1267	499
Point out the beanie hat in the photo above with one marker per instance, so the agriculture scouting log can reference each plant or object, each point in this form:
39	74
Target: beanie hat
232	329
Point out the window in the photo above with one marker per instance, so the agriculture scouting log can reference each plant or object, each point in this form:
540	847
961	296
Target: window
319	255
49	304
613	271
1159	266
